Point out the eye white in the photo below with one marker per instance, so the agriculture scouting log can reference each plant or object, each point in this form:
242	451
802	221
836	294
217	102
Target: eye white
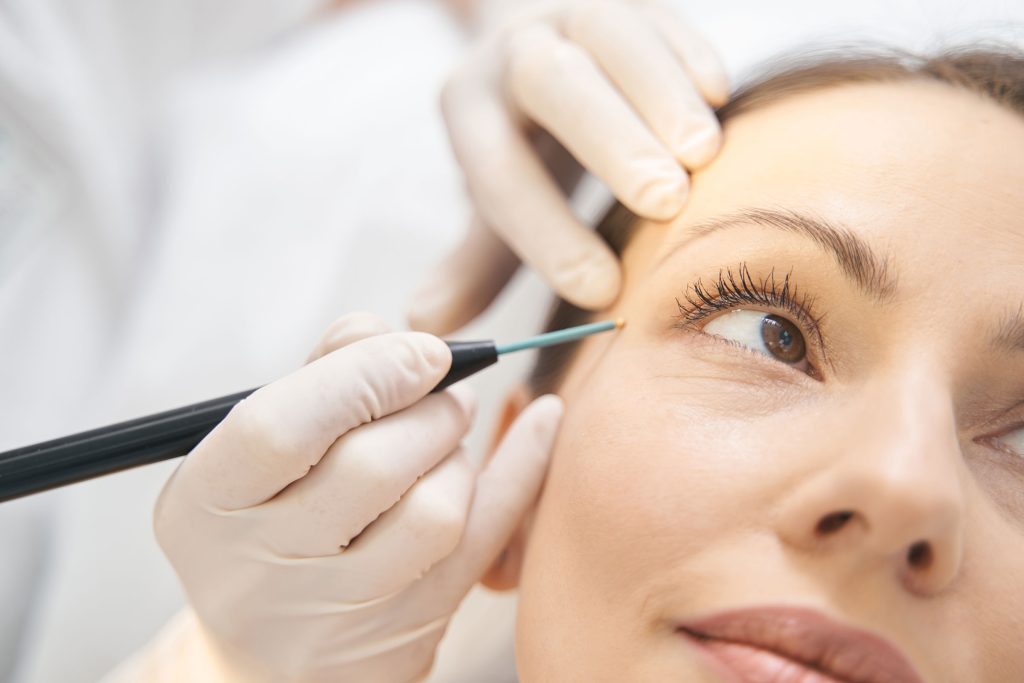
743	327
1012	441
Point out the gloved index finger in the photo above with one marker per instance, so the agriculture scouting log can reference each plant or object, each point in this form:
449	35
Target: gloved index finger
275	436
505	490
524	204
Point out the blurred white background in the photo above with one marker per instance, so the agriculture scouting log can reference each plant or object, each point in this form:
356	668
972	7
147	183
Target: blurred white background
190	192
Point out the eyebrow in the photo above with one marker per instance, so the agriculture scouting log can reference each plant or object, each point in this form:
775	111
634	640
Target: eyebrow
855	257
862	264
1010	334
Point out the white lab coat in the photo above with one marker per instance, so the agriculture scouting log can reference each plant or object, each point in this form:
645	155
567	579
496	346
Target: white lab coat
189	192
76	102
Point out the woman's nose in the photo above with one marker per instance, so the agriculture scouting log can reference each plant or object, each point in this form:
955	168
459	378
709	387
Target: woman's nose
887	486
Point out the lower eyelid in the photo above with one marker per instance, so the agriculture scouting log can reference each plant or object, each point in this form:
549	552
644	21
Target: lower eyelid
999	443
812	369
993	443
776	368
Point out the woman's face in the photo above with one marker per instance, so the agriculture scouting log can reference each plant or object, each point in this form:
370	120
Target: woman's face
816	410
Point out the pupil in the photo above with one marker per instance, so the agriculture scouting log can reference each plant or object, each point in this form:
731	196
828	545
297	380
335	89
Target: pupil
783	339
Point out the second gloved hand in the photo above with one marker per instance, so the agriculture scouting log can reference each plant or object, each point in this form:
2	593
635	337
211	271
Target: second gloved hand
329	527
622	88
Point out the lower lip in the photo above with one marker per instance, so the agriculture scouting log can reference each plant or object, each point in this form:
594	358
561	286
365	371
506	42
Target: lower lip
746	664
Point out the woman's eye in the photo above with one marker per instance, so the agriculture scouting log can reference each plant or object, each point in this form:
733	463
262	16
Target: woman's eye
766	333
1011	441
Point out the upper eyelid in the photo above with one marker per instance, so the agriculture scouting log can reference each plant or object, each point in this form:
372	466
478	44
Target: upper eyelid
1006	422
813	322
767	291
995	442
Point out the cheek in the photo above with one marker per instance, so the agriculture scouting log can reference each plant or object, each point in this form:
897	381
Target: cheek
628	475
663	462
643	477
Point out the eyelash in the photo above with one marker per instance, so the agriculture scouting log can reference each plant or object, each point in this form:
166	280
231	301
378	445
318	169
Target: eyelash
736	288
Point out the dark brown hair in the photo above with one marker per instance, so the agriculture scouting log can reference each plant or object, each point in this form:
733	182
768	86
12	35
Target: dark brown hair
995	73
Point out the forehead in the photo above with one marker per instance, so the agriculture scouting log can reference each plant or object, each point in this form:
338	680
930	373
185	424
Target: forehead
895	162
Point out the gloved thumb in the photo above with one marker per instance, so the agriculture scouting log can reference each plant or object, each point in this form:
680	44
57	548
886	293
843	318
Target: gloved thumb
505	490
275	436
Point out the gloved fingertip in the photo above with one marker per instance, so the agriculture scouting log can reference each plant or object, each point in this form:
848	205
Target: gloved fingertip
592	285
465	397
662	199
544	416
718	94
430	307
700	147
715	85
433	349
709	73
417	321
547	412
450	299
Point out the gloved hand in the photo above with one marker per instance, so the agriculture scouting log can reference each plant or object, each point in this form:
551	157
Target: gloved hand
327	529
623	86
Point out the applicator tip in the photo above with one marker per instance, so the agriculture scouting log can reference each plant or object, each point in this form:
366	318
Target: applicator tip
620	323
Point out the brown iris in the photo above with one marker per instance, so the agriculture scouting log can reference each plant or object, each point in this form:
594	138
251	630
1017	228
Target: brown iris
783	339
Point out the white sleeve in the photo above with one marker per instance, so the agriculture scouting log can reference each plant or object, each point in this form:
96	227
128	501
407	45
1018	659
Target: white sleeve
147	38
90	79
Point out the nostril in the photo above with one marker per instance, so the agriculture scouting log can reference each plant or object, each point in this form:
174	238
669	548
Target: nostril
831	523
920	556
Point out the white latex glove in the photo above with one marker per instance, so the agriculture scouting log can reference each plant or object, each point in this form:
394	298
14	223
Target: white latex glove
327	529
624	86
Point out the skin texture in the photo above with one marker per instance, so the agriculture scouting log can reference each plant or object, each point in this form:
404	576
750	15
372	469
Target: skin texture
690	474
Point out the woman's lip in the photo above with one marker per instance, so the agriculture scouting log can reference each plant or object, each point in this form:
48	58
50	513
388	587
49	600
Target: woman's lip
804	636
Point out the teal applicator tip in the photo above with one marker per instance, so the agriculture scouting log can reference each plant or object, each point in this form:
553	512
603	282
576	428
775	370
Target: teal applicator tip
470	357
569	334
